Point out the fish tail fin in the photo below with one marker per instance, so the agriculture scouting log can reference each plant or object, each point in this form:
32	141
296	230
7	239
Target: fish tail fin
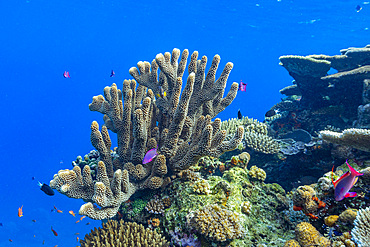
353	171
39	184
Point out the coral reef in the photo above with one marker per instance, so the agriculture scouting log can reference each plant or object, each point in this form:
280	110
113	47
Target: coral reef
180	128
361	233
125	234
216	223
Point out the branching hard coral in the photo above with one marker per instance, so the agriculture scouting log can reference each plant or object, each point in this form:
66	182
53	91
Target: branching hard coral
216	223
179	124
255	135
125	234
361	232
356	138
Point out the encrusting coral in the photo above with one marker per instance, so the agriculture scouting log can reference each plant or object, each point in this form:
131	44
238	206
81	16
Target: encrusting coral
307	235
125	234
144	118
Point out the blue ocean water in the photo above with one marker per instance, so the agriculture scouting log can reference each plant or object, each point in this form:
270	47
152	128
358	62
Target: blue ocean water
45	120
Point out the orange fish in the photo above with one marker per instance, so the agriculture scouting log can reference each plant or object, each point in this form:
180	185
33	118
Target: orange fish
20	211
83	217
55	208
59	211
72	213
77	238
77	233
55	233
77	221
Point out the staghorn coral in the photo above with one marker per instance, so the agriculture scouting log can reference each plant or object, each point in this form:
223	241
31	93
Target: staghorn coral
125	234
216	223
179	124
356	138
361	233
307	235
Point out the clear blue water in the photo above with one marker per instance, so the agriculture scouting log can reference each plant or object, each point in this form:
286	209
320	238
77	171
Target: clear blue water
45	120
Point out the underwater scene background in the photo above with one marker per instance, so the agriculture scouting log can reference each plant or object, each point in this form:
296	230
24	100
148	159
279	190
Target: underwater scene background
269	180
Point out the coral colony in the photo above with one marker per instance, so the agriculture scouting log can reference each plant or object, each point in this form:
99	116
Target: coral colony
177	178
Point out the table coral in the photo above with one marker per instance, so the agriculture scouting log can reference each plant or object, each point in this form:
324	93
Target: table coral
356	138
179	125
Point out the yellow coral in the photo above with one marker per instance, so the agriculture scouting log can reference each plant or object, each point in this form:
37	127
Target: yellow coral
246	207
330	220
307	235
257	173
291	243
201	186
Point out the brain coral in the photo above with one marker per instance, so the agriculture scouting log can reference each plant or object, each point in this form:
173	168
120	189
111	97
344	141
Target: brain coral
216	223
125	234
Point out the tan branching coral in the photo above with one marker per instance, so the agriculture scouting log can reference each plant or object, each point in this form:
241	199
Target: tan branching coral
125	234
361	233
179	124
216	223
356	138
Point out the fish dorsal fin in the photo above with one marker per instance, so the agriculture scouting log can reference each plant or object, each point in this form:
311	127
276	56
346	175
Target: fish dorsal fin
353	171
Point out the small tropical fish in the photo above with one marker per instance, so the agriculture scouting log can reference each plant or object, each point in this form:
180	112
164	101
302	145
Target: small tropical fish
82	217
43	242
10	240
77	238
20	211
46	189
72	213
34	236
33	220
77	233
150	155
88	223
240	116
66	74
271	113
54	232
59	211
33	178
1	224
343	185
161	93
55	208
77	221
112	73
358	8
242	86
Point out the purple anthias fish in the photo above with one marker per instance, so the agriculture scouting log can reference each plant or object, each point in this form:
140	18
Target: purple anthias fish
345	183
149	156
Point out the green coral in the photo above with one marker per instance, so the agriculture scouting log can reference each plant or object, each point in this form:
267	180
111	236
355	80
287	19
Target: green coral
262	224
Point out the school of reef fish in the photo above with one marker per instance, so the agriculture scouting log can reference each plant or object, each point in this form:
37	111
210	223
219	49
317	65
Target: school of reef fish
182	177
